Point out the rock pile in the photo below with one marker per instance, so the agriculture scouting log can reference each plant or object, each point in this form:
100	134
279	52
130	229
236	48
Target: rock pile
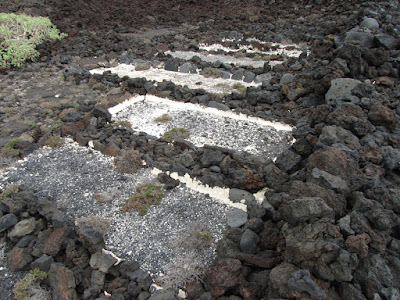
77	266
329	225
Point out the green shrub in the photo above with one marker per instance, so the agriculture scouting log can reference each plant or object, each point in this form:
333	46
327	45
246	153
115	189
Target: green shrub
130	161
240	88
145	196
204	236
122	123
19	36
211	73
55	141
10	190
9	149
163	118
175	133
32	278
222	85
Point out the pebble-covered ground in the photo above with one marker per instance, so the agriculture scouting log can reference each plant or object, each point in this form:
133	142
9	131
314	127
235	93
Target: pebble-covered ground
76	178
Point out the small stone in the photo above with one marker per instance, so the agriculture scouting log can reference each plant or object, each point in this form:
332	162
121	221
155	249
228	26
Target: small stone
215	169
288	160
387	41
286	78
358	244
133	289
248	242
102	261
97	279
163	295
172	65
211	157
168	181
62	282
43	263
7	221
238	75
23	228
274	176
301	281
305	209
144	296
340	88
370	23
258	260
381	115
100	111
248	76
329	181
237	195
54	241
218	105
279	278
19	259
236	217
188	67
361	38
226	274
91	239
128	267
111	149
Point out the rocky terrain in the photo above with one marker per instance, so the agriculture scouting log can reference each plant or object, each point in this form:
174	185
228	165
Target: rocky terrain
328	227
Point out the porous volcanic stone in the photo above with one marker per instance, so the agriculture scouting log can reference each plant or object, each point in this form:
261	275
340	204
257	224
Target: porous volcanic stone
305	209
248	241
19	259
62	282
236	217
7	221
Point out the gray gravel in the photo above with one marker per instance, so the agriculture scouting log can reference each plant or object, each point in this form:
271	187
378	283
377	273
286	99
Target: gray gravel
72	175
208	126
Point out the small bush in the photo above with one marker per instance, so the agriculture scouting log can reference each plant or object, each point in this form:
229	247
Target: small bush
19	36
145	196
142	67
98	224
223	85
55	141
211	73
240	88
122	123
10	190
175	133
195	240
163	118
203	236
129	161
9	149
184	270
30	281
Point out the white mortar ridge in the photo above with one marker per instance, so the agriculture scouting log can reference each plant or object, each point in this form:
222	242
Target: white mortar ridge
280	50
218	193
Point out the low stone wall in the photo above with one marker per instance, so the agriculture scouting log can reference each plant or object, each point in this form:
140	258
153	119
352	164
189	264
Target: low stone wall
77	266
